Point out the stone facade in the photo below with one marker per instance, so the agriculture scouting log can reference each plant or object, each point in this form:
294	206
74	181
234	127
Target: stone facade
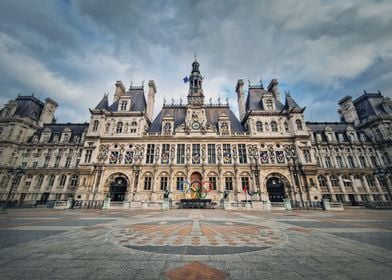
269	154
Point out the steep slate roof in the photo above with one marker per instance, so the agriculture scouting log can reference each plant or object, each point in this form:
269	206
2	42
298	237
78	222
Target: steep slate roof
254	100
290	102
370	104
104	103
335	126
29	106
58	128
212	114
138	101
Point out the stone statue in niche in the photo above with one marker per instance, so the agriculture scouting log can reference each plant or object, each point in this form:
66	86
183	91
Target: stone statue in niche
167	128
224	128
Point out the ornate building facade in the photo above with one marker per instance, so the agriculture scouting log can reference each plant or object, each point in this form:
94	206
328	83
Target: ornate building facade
268	153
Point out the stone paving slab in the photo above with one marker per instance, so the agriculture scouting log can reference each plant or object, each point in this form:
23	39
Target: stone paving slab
308	253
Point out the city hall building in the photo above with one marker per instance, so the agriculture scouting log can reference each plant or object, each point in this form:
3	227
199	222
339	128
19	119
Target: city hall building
266	153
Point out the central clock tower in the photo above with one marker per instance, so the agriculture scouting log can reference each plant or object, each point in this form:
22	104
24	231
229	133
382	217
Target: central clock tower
196	117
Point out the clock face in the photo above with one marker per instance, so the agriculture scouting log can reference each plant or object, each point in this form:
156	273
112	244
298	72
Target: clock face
196	125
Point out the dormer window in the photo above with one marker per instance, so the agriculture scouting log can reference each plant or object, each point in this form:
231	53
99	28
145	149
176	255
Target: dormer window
299	124
123	106
269	105
259	126
95	126
274	126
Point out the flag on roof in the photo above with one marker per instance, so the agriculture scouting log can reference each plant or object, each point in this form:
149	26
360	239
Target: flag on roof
186	79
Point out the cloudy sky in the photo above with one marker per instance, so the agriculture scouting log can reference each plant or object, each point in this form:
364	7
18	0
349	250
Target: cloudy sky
74	51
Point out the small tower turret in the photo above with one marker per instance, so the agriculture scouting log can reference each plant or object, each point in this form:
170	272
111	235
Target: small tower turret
195	95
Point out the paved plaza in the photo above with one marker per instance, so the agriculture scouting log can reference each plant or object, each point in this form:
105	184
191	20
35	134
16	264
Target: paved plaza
195	244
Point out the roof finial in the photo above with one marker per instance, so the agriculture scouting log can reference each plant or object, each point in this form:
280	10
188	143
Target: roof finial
195	56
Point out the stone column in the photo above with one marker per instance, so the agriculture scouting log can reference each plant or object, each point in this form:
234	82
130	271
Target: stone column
365	183
342	187
333	196
379	189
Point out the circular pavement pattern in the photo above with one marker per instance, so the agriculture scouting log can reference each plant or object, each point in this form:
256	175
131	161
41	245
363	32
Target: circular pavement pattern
197	237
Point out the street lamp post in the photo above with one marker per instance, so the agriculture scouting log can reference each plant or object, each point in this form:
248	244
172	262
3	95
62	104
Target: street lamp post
17	172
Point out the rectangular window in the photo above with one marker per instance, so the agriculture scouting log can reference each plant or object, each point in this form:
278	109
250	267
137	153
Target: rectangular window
245	183
363	161
46	163
242	153
374	161
128	157
147	183
164	183
150	153
229	183
328	162
196	153
227	153
212	181
113	157
87	157
165	153
211	154
57	162
307	156
179	183
35	164
68	162
180	153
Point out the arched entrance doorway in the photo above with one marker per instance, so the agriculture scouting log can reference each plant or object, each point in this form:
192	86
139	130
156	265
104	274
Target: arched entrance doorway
275	189
196	176
118	188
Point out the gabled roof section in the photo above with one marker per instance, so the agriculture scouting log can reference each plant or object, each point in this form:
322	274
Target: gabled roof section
290	102
104	103
138	100
178	112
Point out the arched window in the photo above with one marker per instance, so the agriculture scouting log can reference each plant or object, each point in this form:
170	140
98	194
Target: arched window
321	180
74	180
259	126
334	181
134	123
123	105
107	128
95	126
63	178
299	124
274	126
119	127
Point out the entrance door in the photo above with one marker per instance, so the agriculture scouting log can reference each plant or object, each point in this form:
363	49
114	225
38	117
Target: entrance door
351	197
275	188
44	197
118	189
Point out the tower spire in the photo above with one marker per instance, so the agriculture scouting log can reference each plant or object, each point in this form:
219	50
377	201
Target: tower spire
195	95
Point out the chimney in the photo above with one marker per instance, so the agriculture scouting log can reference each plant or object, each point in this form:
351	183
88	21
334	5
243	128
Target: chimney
273	88
239	88
152	90
47	114
120	91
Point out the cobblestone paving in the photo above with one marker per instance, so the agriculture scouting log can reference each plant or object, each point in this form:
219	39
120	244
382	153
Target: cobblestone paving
76	244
